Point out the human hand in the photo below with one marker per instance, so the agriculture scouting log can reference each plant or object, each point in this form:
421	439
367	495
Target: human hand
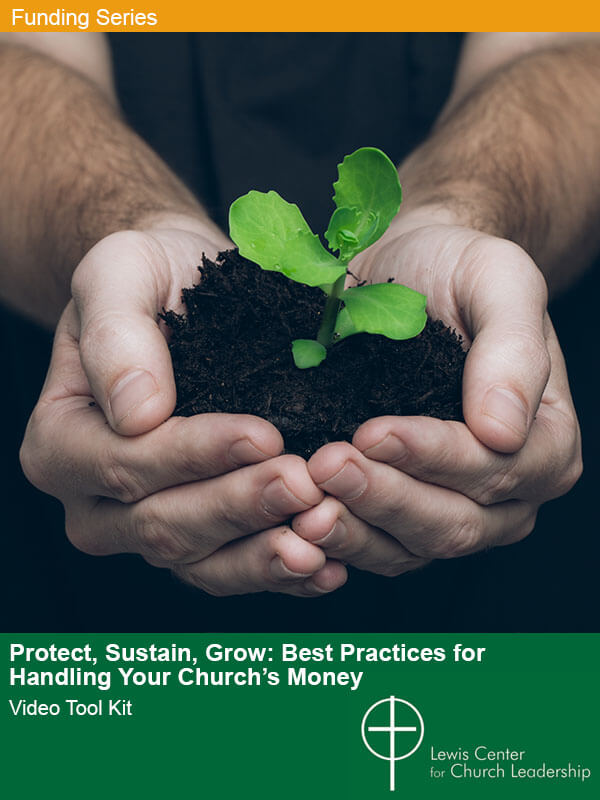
410	489
184	493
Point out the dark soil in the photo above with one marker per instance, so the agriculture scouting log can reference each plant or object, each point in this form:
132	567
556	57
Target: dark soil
232	353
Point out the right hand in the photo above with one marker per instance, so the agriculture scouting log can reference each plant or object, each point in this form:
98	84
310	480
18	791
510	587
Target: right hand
185	493
411	488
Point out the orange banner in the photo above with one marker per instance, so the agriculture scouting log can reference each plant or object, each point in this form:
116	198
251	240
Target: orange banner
306	15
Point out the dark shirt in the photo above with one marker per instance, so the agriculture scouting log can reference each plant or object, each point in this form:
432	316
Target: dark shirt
231	112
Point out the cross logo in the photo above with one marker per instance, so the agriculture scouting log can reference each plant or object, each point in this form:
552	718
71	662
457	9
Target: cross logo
386	747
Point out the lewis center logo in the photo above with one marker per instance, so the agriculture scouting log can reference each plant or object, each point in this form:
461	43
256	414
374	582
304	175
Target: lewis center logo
384	721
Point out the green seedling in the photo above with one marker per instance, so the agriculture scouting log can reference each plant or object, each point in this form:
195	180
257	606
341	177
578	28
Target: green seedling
274	234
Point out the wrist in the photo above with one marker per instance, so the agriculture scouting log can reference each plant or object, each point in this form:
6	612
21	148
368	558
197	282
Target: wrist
468	204
469	207
445	193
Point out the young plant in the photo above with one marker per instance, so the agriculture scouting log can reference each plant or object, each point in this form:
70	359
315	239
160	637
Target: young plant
275	235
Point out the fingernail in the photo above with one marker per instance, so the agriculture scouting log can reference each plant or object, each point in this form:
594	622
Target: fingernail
507	407
280	572
335	537
390	449
347	484
278	501
130	392
244	452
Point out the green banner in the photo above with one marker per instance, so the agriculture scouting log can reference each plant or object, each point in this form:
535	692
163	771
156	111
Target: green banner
294	716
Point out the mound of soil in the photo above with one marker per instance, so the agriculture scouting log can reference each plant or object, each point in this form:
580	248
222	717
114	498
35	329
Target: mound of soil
232	353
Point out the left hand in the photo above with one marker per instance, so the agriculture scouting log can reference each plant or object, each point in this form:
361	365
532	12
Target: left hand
206	496
409	489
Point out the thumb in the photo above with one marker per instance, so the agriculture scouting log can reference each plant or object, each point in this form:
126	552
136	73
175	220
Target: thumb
118	289
508	365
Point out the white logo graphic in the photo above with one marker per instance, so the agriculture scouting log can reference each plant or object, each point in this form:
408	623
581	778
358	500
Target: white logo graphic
413	726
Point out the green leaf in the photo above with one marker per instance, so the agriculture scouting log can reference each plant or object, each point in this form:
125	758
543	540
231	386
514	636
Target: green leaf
350	231
275	235
305	260
367	195
344	326
340	233
389	309
308	353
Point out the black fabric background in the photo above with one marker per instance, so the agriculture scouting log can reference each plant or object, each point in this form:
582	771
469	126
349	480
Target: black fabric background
231	112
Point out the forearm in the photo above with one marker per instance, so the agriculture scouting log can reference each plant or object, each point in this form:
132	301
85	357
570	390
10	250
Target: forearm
519	157
72	172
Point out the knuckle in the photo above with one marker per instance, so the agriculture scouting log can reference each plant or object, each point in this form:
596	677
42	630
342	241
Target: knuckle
410	566
120	481
545	362
445	453
528	524
535	353
574	468
570	475
389	511
355	545
563	471
34	452
523	530
76	534
32	466
542	360
461	540
394	567
193	456
158	538
181	433
202	582
228	515
499	485
351	550
213	589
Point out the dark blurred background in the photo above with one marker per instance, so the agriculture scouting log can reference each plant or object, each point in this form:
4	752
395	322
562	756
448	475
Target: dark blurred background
231	112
